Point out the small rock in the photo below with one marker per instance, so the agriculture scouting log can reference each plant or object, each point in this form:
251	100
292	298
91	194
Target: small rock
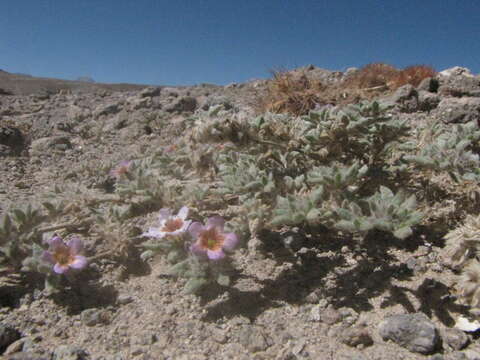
416	265
330	316
356	335
15	347
150	92
299	347
454	338
312	298
66	352
170	309
349	316
315	313
137	351
8	335
253	338
92	317
413	331
124	299
220	336
43	145
117	122
106	109
140	103
427	101
182	104
146	338
466	324
406	97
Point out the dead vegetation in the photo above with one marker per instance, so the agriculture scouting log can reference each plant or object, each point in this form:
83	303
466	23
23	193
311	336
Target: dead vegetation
297	94
287	93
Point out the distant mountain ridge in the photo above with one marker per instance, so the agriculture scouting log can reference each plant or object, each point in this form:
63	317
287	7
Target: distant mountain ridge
22	84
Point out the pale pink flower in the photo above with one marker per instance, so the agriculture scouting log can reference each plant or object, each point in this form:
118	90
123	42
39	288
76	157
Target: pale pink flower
170	225
210	240
64	256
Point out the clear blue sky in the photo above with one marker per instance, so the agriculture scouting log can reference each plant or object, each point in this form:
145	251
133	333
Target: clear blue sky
182	42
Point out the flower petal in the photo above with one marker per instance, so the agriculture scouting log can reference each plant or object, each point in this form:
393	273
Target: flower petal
185	225
75	245
53	239
79	263
216	221
195	229
154	232
60	269
215	255
197	249
231	241
48	257
179	231
55	242
164	214
183	212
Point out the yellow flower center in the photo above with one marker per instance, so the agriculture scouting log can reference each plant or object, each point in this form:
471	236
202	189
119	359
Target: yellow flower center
211	239
63	256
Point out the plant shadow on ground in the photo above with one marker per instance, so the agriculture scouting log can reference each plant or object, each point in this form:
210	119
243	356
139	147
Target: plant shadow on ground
84	293
11	294
322	268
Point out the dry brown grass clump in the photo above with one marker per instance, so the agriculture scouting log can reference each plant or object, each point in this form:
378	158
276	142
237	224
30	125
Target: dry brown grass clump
379	75
289	93
297	94
412	75
376	75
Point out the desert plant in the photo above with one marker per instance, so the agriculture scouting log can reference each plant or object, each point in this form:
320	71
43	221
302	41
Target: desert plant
463	242
289	93
412	75
450	150
375	75
197	252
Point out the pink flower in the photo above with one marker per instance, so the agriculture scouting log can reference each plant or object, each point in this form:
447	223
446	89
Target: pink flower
121	169
65	256
211	240
170	225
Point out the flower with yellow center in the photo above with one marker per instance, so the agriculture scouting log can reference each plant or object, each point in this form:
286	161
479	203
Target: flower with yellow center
170	225
64	256
210	240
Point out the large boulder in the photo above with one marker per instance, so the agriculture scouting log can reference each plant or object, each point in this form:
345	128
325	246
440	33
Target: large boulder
458	110
459	82
415	332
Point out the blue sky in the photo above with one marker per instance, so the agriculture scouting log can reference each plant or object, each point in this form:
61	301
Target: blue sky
182	42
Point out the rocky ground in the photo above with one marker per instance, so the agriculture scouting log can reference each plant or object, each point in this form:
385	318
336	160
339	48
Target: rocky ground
307	301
